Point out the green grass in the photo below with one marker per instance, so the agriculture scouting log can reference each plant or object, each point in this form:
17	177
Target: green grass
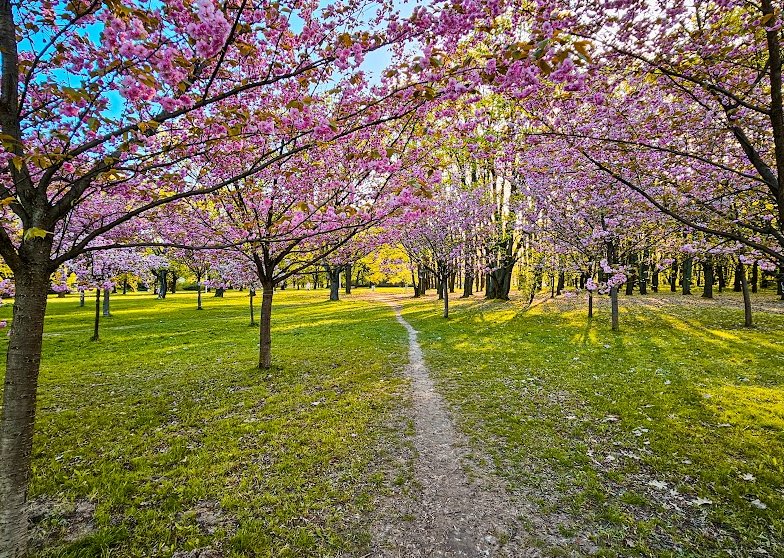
163	436
609	439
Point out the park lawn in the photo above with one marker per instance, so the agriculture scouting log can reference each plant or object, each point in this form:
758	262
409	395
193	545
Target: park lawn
665	439
164	437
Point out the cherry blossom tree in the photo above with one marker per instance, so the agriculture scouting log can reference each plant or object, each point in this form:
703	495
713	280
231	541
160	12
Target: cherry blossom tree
437	233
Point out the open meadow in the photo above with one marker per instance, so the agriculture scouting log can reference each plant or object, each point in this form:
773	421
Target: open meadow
163	438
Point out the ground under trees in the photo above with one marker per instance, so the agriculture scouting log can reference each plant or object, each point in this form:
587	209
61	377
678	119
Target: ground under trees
165	439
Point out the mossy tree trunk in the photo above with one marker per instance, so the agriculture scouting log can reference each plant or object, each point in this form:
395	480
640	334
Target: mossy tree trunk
19	398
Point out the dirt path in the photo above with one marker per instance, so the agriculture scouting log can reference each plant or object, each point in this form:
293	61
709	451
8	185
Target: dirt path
449	514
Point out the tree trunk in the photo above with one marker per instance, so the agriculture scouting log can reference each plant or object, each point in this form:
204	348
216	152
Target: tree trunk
632	278
643	278
737	287
468	284
722	282
106	312
219	292
97	314
125	285
561	283
348	279
674	276
687	270
198	291
251	294
81	299
265	326
590	304
334	283
163	287
744	285
536	284
445	292
499	282
18	412
614	305
754	277
707	290
780	283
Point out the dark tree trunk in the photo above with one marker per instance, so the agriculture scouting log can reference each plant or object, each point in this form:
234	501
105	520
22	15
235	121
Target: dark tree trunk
780	283
536	284
590	304
422	281
251	294
18	412
174	278
643	271
736	286
265	325
468	284
499	283
632	278
415	284
452	278
674	276
744	285
219	292
333	275
106	304
655	280
348	279
707	290
445	291
163	287
440	289
561	283
97	313
722	281
754	277
125	285
687	270
198	291
81	299
611	259
614	308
